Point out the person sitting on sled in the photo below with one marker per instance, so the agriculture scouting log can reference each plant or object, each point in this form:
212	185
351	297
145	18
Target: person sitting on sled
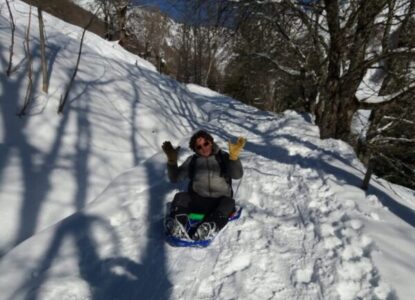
210	171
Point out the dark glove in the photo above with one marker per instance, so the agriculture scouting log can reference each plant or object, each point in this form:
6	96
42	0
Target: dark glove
171	152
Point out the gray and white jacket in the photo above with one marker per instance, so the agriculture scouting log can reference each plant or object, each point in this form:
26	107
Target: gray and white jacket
207	179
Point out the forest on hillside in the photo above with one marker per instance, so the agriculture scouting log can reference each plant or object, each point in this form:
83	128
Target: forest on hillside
349	63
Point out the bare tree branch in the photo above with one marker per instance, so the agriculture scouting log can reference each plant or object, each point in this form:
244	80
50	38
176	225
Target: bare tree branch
45	84
71	81
392	139
401	120
13	27
377	101
64	99
30	68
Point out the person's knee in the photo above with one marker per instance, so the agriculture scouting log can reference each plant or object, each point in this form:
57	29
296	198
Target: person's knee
228	201
227	205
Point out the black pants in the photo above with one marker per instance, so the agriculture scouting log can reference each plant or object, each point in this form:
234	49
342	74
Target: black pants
215	209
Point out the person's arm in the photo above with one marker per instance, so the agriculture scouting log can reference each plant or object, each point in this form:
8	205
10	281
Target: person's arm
234	167
177	173
234	164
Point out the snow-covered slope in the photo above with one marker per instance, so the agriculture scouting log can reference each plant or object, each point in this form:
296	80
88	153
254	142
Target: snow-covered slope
83	195
119	111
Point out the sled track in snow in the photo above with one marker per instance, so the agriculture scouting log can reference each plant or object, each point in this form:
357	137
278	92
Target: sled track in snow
309	241
288	256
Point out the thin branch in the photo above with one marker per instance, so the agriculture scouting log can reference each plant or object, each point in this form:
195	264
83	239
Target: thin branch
65	97
383	128
400	120
383	140
281	68
13	27
393	164
45	84
29	66
378	100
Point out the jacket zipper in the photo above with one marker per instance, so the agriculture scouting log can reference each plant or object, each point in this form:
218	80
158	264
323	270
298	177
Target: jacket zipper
210	190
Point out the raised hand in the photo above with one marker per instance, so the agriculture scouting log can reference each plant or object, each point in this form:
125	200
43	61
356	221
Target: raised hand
235	149
171	152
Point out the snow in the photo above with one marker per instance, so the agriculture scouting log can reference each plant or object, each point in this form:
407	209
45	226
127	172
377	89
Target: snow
360	122
367	94
83	195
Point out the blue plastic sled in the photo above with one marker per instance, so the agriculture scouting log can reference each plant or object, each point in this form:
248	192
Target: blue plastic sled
194	220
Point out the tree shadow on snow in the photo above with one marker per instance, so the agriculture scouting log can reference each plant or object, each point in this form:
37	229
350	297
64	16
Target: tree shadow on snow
323	167
273	152
108	278
145	280
36	177
113	276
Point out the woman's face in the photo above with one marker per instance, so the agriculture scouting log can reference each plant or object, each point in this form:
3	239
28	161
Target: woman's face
203	147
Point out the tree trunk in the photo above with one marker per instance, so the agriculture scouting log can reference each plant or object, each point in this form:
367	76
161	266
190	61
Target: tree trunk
65	97
328	107
338	103
45	85
368	176
68	89
11	50
28	95
336	109
108	26
122	21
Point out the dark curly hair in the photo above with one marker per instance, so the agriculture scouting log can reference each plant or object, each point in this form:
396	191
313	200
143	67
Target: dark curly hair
199	134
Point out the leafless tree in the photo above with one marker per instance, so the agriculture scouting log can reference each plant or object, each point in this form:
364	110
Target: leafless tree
184	50
201	36
28	95
334	52
45	85
108	14
11	50
64	99
151	29
114	14
121	8
345	45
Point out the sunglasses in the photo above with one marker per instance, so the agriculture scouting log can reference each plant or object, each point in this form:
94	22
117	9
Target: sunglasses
205	144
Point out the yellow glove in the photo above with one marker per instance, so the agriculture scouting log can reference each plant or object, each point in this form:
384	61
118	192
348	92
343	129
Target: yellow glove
235	149
171	153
